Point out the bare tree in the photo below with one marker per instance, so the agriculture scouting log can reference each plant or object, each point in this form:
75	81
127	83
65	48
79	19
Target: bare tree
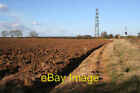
138	34
16	33
33	34
110	36
4	33
104	34
118	36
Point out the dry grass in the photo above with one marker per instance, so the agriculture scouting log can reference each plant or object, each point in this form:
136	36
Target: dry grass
124	62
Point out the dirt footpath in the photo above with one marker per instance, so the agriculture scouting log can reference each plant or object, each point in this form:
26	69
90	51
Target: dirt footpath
93	65
116	64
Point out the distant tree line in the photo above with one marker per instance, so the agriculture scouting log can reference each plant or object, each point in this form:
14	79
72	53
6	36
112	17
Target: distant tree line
18	33
106	35
84	36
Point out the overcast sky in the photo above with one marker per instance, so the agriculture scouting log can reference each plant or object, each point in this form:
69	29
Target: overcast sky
70	17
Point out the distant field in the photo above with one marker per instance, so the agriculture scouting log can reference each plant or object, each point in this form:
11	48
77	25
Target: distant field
47	42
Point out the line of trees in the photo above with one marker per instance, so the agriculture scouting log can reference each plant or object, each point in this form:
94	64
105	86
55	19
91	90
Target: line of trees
18	33
106	35
84	36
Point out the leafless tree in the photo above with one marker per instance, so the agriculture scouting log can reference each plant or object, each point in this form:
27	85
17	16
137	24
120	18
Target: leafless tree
138	34
104	34
33	34
4	33
16	33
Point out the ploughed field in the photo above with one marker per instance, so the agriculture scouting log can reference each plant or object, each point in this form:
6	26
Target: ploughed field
23	60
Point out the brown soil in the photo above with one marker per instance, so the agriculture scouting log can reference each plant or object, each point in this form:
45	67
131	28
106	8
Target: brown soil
23	60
